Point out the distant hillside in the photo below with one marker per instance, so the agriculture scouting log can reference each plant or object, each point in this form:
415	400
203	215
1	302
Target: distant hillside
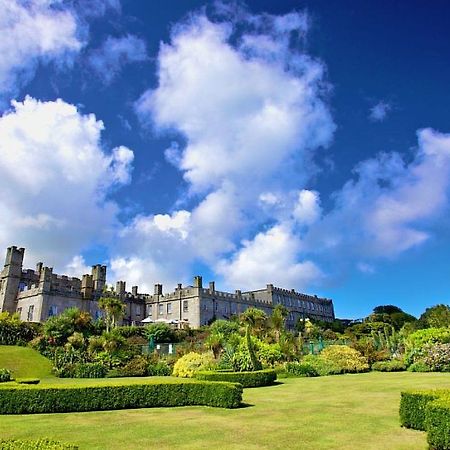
24	362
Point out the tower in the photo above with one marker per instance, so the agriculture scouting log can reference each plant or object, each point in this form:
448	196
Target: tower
99	277
10	278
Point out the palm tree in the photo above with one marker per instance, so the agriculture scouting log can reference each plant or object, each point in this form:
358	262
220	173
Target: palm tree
253	319
277	320
114	309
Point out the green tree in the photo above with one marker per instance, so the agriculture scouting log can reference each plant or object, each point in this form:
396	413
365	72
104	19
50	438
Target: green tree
277	320
437	316
253	319
114	309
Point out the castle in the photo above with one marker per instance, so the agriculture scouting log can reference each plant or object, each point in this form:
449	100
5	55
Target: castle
39	294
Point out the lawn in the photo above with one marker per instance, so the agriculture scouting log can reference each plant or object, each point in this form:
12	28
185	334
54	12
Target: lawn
24	362
338	412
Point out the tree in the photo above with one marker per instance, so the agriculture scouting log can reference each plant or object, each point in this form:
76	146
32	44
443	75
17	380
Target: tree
278	319
437	316
253	319
114	309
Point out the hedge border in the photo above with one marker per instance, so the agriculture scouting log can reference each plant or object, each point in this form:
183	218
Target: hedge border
35	444
25	399
413	405
256	378
437	423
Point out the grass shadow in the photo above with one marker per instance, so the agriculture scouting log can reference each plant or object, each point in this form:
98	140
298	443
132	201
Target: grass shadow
245	405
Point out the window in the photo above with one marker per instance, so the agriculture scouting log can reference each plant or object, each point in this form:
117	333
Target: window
217	307
185	306
22	286
30	313
138	310
160	309
169	308
149	310
19	311
52	311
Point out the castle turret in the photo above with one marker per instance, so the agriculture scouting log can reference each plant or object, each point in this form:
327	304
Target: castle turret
99	277
87	285
10	278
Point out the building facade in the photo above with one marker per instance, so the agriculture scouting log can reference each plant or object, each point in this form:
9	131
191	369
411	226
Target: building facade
37	294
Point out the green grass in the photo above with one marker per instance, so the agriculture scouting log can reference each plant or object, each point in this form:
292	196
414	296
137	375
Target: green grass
24	362
338	412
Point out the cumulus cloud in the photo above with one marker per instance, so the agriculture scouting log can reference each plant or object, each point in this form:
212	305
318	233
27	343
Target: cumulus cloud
33	32
307	210
55	179
107	60
250	109
271	257
391	206
379	111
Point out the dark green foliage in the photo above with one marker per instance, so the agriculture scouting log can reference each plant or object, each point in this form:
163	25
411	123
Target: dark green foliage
28	380
387	309
38	444
247	379
437	423
419	366
437	316
159	369
131	331
413	405
301	369
224	328
160	332
393	365
89	370
47	399
136	367
5	375
15	332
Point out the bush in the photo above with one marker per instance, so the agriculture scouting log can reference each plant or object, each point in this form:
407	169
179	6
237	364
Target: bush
160	369
437	423
136	367
301	369
256	378
347	359
97	397
15	332
413	405
417	341
5	375
188	365
437	357
419	366
321	365
39	444
28	380
89	370
395	365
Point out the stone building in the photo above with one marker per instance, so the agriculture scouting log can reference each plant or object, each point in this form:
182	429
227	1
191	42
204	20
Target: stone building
39	294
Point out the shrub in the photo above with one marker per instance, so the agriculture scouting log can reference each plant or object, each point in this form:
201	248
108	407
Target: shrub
28	380
5	375
322	365
437	357
39	444
347	359
15	332
301	369
256	378
96	397
89	370
188	365
419	366
395	365
160	332
437	423
416	342
160	369
413	405
136	367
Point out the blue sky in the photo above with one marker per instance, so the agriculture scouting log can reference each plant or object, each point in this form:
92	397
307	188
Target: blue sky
300	143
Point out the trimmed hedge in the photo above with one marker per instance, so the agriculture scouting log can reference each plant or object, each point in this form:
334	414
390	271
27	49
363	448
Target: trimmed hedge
246	379
393	365
437	423
39	444
413	405
92	397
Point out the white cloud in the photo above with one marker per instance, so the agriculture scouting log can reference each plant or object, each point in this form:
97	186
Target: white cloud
307	210
114	53
379	111
391	206
271	257
33	32
55	178
77	267
250	107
